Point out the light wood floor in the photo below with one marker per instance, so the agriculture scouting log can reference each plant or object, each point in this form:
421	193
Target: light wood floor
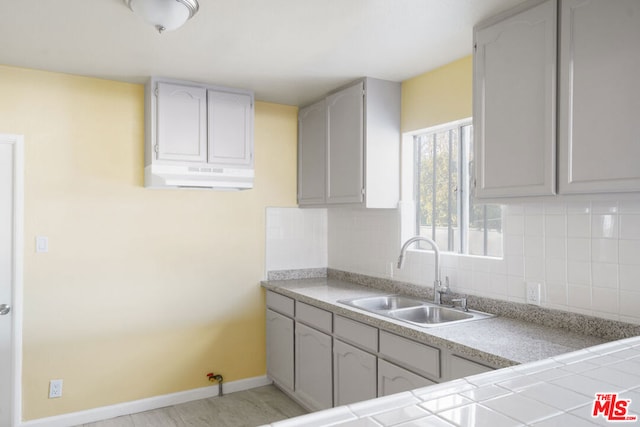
249	408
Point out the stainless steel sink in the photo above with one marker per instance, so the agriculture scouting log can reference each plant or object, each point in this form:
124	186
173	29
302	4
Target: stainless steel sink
384	303
430	315
414	311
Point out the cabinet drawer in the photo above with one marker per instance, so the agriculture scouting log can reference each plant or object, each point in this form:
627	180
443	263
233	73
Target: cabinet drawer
461	367
312	316
417	357
356	332
280	303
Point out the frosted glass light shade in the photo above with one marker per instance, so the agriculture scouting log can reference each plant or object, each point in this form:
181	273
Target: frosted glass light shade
165	15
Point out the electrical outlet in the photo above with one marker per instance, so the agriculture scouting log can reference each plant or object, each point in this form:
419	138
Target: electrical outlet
55	389
533	293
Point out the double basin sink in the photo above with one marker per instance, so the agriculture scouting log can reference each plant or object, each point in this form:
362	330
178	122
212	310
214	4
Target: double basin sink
414	311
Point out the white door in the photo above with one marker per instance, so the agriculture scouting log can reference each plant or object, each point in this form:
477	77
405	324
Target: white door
10	188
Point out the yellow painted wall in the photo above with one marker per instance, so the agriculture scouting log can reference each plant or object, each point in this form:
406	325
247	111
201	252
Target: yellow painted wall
438	96
143	291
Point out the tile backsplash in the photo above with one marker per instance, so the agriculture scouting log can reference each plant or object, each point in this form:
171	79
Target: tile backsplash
585	254
296	238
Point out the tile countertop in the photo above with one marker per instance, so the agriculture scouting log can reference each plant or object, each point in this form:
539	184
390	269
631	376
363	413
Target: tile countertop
558	391
554	383
498	341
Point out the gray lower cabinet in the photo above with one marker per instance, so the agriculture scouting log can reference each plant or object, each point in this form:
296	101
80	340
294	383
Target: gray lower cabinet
354	374
323	360
421	358
313	371
280	349
394	379
460	367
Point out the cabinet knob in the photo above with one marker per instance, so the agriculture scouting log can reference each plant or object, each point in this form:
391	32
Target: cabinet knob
4	309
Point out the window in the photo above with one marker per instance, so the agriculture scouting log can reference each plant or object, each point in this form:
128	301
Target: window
445	210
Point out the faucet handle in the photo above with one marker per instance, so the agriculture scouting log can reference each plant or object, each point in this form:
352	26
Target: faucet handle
462	301
444	289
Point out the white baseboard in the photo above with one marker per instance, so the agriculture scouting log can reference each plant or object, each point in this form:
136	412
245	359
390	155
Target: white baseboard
126	408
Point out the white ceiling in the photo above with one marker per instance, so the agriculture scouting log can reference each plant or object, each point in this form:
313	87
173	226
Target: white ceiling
287	51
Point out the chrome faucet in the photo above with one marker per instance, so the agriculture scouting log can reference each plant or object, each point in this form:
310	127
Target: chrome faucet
438	289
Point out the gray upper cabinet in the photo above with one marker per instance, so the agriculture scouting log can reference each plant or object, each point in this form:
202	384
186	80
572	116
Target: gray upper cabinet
514	114
312	150
198	135
345	151
354	158
599	130
230	128
597	99
181	123
202	124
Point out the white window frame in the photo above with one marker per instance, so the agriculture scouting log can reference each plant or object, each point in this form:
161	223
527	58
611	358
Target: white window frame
408	211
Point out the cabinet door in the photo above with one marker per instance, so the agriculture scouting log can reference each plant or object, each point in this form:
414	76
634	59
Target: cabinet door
314	378
514	104
280	349
312	154
181	123
230	129
354	374
599	96
345	157
394	379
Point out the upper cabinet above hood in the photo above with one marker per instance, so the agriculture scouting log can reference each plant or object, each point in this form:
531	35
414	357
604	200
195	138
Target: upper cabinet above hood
198	136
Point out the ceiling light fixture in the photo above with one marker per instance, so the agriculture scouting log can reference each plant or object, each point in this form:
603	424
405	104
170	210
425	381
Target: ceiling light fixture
165	15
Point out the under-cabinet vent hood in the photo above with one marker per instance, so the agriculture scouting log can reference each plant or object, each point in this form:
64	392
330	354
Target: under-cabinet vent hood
176	176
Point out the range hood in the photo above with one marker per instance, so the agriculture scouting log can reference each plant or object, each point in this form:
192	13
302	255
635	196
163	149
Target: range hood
179	176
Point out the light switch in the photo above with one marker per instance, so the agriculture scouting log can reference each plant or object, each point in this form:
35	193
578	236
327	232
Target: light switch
42	244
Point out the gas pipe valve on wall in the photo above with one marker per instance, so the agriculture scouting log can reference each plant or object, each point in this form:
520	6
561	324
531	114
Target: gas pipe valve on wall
216	377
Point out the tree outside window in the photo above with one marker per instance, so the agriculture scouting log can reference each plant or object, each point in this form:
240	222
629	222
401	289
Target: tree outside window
446	211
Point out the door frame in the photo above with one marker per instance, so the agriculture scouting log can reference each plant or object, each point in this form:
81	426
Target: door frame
18	263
